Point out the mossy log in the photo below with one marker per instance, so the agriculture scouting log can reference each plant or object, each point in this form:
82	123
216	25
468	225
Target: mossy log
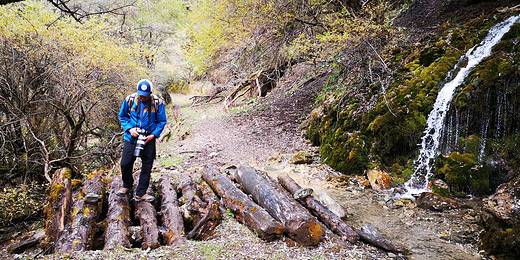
57	210
170	213
85	212
246	211
146	214
301	226
330	219
118	217
211	215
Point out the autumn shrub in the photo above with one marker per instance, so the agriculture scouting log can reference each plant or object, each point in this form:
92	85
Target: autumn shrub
62	86
20	202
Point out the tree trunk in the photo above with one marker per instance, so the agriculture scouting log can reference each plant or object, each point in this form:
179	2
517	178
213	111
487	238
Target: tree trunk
171	215
57	210
118	217
86	210
300	224
330	219
145	212
246	211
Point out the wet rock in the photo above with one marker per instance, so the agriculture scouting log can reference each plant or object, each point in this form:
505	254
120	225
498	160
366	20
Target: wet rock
501	220
432	201
370	229
378	179
332	205
301	157
359	181
400	203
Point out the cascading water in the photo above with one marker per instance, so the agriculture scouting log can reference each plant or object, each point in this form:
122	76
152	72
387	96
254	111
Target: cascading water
430	146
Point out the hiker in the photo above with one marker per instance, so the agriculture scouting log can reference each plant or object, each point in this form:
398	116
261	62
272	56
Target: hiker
143	118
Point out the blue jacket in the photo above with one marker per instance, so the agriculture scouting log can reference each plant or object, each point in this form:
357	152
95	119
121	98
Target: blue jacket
130	117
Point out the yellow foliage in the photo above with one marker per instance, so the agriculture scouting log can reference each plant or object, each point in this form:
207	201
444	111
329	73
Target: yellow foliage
258	33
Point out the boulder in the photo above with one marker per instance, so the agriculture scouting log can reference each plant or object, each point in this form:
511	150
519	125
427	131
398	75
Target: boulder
432	201
501	221
379	180
332	205
302	157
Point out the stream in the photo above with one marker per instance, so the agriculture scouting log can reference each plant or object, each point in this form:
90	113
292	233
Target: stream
451	234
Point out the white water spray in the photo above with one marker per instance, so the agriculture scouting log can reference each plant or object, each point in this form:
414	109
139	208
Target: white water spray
436	120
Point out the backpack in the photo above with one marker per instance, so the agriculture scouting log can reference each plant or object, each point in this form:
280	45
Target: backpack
133	98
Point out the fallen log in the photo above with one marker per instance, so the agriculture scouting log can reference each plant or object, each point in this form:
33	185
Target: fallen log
301	226
335	223
171	215
205	226
57	210
145	213
380	242
207	193
330	219
22	246
118	217
211	215
191	205
85	212
246	211
231	97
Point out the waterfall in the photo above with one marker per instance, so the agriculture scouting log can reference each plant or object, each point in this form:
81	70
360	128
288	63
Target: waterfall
430	146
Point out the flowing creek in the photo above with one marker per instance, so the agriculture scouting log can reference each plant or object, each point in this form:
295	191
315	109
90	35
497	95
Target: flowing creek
429	235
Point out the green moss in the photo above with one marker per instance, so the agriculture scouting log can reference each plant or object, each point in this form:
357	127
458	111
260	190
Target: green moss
463	175
441	191
67	174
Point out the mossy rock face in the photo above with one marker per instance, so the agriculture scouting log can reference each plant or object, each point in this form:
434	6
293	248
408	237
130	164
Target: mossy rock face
462	174
440	187
348	152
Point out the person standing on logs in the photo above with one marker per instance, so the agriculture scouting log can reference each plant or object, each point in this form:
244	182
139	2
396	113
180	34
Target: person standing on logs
143	118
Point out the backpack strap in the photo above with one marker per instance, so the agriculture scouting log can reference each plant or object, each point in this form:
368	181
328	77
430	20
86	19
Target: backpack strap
134	98
131	99
156	103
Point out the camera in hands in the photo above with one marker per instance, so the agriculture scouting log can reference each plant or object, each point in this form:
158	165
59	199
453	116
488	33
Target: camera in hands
141	139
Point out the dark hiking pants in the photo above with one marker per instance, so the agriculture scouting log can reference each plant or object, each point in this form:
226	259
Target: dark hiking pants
127	165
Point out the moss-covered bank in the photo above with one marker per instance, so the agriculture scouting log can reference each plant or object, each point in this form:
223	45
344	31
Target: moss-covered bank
360	126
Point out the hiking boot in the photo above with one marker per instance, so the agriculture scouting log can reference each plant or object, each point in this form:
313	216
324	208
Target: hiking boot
122	192
145	197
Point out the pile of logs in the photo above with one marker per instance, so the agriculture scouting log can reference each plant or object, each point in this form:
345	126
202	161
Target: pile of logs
188	207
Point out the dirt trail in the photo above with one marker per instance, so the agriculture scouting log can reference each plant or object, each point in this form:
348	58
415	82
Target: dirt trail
254	132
